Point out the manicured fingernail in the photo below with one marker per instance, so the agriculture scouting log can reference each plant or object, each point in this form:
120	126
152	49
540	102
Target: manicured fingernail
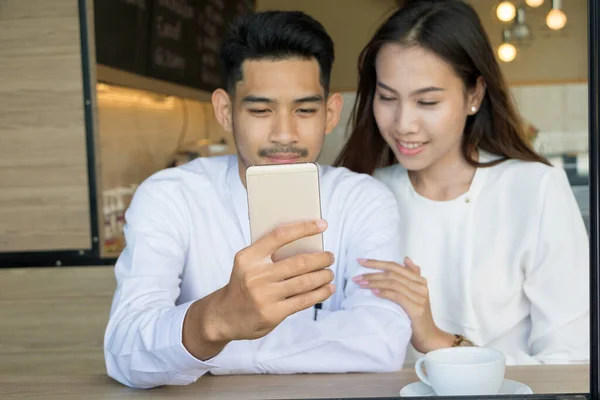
363	283
362	260
357	278
375	291
322	224
332	288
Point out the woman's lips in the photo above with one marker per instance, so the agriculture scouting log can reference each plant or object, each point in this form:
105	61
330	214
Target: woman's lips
410	148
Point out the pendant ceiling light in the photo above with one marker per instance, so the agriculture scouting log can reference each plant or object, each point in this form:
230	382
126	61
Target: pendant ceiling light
520	31
556	18
534	3
506	11
507	51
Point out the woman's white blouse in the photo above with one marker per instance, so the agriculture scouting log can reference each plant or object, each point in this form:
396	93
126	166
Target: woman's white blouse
507	263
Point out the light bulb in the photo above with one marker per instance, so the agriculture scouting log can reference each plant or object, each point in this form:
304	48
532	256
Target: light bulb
534	3
507	52
506	11
556	19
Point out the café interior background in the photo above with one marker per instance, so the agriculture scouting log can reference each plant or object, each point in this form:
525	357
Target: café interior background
143	125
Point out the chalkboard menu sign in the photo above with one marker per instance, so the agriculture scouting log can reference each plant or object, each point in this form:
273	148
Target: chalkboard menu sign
121	29
212	20
171	29
173	40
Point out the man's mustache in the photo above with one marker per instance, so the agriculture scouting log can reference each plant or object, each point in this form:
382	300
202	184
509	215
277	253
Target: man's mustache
301	152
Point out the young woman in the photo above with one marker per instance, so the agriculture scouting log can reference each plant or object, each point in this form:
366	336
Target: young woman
495	229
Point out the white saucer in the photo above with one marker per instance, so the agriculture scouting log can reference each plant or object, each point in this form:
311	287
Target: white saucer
418	389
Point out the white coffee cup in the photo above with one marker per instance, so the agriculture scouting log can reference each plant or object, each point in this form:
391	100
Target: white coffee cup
462	371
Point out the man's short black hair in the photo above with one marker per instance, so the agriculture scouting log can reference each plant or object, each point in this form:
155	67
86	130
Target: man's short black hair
275	35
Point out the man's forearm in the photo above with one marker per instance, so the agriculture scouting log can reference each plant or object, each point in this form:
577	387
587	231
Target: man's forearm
364	339
203	333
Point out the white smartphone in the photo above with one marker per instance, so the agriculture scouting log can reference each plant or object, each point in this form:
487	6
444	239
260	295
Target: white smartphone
282	194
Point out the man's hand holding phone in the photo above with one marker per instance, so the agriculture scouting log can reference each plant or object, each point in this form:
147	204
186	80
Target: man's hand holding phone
260	293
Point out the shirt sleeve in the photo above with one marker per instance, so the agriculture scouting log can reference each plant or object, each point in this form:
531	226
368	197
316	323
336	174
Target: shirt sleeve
557	283
143	340
367	333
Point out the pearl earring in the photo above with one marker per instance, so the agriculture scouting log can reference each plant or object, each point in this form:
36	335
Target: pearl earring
473	109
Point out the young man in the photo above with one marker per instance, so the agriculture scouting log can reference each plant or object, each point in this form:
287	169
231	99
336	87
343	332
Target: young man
194	296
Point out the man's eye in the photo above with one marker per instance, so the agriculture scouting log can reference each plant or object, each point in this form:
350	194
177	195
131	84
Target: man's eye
307	110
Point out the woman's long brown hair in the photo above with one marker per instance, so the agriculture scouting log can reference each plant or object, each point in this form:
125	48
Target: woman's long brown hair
452	30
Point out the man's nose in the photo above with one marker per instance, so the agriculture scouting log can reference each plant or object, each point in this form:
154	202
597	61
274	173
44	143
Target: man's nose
284	130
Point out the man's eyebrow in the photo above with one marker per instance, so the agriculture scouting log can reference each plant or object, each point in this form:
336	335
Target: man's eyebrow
256	99
316	98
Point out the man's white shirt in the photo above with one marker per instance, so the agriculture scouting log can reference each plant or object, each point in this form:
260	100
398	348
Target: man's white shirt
183	229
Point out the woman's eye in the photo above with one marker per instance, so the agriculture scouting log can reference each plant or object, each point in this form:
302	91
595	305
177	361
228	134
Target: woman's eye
385	98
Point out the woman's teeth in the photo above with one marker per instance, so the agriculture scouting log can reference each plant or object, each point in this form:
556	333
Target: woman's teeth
411	145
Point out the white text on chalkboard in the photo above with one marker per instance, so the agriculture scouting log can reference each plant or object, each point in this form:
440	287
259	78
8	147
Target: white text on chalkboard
166	30
212	44
210	29
220	4
164	58
214	15
141	4
179	7
209	60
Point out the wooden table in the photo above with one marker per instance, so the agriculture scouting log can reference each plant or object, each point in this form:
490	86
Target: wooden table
52	323
554	379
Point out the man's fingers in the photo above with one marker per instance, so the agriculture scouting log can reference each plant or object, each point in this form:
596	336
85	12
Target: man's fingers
280	236
301	264
303	301
304	283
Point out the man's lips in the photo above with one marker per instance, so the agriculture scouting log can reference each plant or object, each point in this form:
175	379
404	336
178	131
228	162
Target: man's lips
283	157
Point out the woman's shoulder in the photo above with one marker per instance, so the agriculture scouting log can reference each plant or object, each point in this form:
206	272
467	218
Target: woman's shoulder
526	172
527	179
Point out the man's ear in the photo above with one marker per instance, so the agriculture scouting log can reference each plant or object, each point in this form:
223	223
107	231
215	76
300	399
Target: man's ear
223	109
334	105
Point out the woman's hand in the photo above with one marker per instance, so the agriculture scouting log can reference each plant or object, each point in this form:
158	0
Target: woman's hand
405	286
